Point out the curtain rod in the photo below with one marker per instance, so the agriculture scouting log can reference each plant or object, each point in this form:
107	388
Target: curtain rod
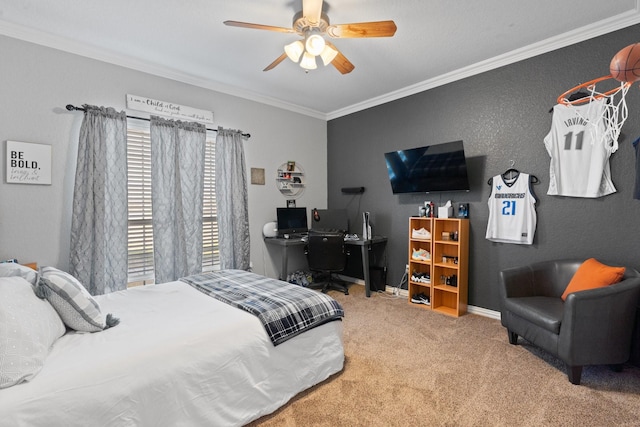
70	107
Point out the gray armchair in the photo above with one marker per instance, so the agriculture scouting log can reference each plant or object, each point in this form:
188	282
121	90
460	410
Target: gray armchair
592	327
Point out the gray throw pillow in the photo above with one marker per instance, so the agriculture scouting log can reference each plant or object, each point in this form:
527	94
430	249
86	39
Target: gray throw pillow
28	328
76	307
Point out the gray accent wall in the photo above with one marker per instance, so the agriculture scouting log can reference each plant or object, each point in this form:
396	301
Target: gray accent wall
502	116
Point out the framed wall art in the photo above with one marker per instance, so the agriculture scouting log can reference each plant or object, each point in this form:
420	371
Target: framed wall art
28	163
257	176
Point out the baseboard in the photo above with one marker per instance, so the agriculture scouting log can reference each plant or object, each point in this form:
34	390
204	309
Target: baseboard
472	309
401	292
484	312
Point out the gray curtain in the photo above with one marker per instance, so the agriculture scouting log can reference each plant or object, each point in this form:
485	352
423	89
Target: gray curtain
98	256
177	177
231	198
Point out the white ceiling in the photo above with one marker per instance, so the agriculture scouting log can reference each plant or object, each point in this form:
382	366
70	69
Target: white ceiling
437	41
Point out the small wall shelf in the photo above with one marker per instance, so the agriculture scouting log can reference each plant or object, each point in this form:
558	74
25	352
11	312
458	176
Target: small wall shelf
290	180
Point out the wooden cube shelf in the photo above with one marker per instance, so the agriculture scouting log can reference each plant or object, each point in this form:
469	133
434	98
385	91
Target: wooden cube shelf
448	266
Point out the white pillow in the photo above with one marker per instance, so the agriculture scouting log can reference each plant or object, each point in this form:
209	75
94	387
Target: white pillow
12	269
72	301
28	328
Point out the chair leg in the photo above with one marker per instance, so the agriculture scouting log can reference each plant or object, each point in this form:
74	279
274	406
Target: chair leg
574	373
513	337
338	286
329	282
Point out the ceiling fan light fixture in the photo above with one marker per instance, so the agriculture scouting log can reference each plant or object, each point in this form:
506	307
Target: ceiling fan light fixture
294	50
312	25
328	55
308	61
314	44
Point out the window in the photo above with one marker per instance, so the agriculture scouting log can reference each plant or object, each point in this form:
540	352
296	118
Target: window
140	229
140	232
210	250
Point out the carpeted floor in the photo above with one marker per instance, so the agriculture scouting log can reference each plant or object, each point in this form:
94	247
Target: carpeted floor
410	367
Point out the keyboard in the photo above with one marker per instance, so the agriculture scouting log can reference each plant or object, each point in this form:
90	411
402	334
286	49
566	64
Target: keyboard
298	235
295	236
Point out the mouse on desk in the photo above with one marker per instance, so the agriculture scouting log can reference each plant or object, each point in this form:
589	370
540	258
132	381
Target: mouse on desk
286	236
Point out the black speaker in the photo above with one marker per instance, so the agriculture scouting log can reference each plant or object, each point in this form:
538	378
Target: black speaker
353	190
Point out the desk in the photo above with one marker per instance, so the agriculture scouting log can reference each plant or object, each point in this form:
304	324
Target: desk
365	247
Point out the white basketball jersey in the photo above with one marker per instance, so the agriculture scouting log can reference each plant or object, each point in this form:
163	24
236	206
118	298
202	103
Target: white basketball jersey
512	211
580	147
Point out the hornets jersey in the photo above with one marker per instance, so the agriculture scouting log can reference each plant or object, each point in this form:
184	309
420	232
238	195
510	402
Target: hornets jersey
580	146
512	213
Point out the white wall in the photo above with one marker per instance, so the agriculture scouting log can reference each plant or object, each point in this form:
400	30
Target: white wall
36	83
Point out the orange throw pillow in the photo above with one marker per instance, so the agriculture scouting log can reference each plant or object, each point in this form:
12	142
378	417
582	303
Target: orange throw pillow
593	274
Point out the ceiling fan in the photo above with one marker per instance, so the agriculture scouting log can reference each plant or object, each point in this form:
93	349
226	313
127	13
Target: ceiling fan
312	24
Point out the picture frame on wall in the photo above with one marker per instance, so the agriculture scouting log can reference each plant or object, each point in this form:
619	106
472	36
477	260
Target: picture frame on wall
257	176
28	163
291	203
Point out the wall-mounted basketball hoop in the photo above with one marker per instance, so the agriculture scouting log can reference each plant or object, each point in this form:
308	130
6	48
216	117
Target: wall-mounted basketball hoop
614	111
591	92
609	98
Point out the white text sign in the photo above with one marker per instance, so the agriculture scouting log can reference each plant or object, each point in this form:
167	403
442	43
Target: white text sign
164	108
28	163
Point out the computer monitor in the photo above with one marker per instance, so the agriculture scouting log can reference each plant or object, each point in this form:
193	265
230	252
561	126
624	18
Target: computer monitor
330	219
291	220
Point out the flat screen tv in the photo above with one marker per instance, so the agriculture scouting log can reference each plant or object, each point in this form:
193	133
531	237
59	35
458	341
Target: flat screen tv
440	167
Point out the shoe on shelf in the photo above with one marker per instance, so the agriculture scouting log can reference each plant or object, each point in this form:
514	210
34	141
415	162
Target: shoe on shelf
425	278
416	277
420	277
420	298
421	233
420	255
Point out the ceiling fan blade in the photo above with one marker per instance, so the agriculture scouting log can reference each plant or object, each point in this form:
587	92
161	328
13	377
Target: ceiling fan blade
363	29
276	62
258	26
312	10
340	62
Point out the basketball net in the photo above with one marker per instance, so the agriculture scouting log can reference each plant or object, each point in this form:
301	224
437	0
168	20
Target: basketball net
613	115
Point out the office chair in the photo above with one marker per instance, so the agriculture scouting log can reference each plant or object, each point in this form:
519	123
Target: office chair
326	254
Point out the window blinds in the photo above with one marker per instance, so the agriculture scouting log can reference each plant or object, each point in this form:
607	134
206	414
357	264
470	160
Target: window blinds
140	229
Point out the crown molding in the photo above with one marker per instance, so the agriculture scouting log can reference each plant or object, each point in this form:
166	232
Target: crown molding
77	48
590	31
571	37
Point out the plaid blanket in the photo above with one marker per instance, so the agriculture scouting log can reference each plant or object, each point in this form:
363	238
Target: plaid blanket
284	309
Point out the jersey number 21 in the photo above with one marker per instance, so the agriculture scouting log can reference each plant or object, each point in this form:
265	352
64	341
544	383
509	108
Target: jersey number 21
508	207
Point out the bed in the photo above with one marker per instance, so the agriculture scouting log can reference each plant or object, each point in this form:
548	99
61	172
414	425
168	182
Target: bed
178	357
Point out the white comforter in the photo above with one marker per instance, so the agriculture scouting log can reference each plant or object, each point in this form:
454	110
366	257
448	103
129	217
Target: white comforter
177	358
